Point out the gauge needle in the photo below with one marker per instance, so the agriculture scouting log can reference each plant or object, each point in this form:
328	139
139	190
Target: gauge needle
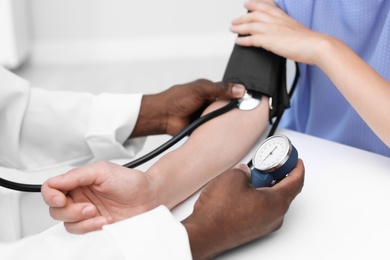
269	154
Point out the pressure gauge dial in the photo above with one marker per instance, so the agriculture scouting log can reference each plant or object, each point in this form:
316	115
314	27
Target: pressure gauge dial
273	160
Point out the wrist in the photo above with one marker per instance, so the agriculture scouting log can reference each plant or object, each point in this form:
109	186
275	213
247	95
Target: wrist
324	48
152	196
152	118
167	185
203	239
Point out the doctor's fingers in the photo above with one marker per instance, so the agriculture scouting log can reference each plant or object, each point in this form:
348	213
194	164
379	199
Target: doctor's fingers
291	185
227	90
213	90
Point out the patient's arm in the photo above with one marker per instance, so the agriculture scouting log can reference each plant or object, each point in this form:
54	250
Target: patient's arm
210	150
88	197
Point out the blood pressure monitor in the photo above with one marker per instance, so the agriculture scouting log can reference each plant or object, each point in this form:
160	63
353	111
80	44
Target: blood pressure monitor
273	160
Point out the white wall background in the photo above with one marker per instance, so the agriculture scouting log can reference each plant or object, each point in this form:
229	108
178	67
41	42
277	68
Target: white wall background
14	33
97	19
101	30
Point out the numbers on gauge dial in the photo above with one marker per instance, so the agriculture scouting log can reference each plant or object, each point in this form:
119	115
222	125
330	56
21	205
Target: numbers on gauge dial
271	153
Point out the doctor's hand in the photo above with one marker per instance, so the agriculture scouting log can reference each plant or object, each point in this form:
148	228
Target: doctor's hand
171	111
269	27
88	197
230	212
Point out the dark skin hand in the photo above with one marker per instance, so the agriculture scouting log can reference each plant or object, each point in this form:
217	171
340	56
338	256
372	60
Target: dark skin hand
230	212
171	111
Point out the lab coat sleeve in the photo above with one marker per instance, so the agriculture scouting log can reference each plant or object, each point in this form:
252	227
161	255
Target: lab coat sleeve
41	128
152	235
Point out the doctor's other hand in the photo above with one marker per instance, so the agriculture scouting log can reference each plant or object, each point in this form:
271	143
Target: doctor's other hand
172	110
91	196
230	212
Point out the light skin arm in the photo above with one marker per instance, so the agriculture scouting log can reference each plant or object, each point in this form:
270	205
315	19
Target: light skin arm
91	196
272	29
211	149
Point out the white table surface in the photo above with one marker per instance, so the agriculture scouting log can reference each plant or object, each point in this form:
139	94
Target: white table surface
343	211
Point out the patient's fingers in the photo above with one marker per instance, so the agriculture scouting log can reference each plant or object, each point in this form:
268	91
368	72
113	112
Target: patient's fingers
78	177
73	212
53	197
88	225
55	188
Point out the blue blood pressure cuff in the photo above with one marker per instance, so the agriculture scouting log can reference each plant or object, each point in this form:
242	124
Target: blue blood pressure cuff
262	73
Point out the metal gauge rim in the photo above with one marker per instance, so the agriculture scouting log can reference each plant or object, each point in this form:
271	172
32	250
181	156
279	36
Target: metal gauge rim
279	163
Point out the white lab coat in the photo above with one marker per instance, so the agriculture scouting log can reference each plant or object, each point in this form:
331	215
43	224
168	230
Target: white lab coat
153	235
41	129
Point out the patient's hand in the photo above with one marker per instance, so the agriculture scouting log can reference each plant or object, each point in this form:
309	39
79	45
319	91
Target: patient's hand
88	197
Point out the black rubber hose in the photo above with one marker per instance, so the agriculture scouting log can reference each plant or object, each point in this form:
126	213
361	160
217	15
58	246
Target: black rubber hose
293	86
186	131
20	186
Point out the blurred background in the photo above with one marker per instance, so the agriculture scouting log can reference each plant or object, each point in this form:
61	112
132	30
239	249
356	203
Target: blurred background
116	45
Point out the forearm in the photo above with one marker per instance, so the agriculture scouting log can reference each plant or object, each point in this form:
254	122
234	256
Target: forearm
211	149
201	246
151	119
209	239
361	85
